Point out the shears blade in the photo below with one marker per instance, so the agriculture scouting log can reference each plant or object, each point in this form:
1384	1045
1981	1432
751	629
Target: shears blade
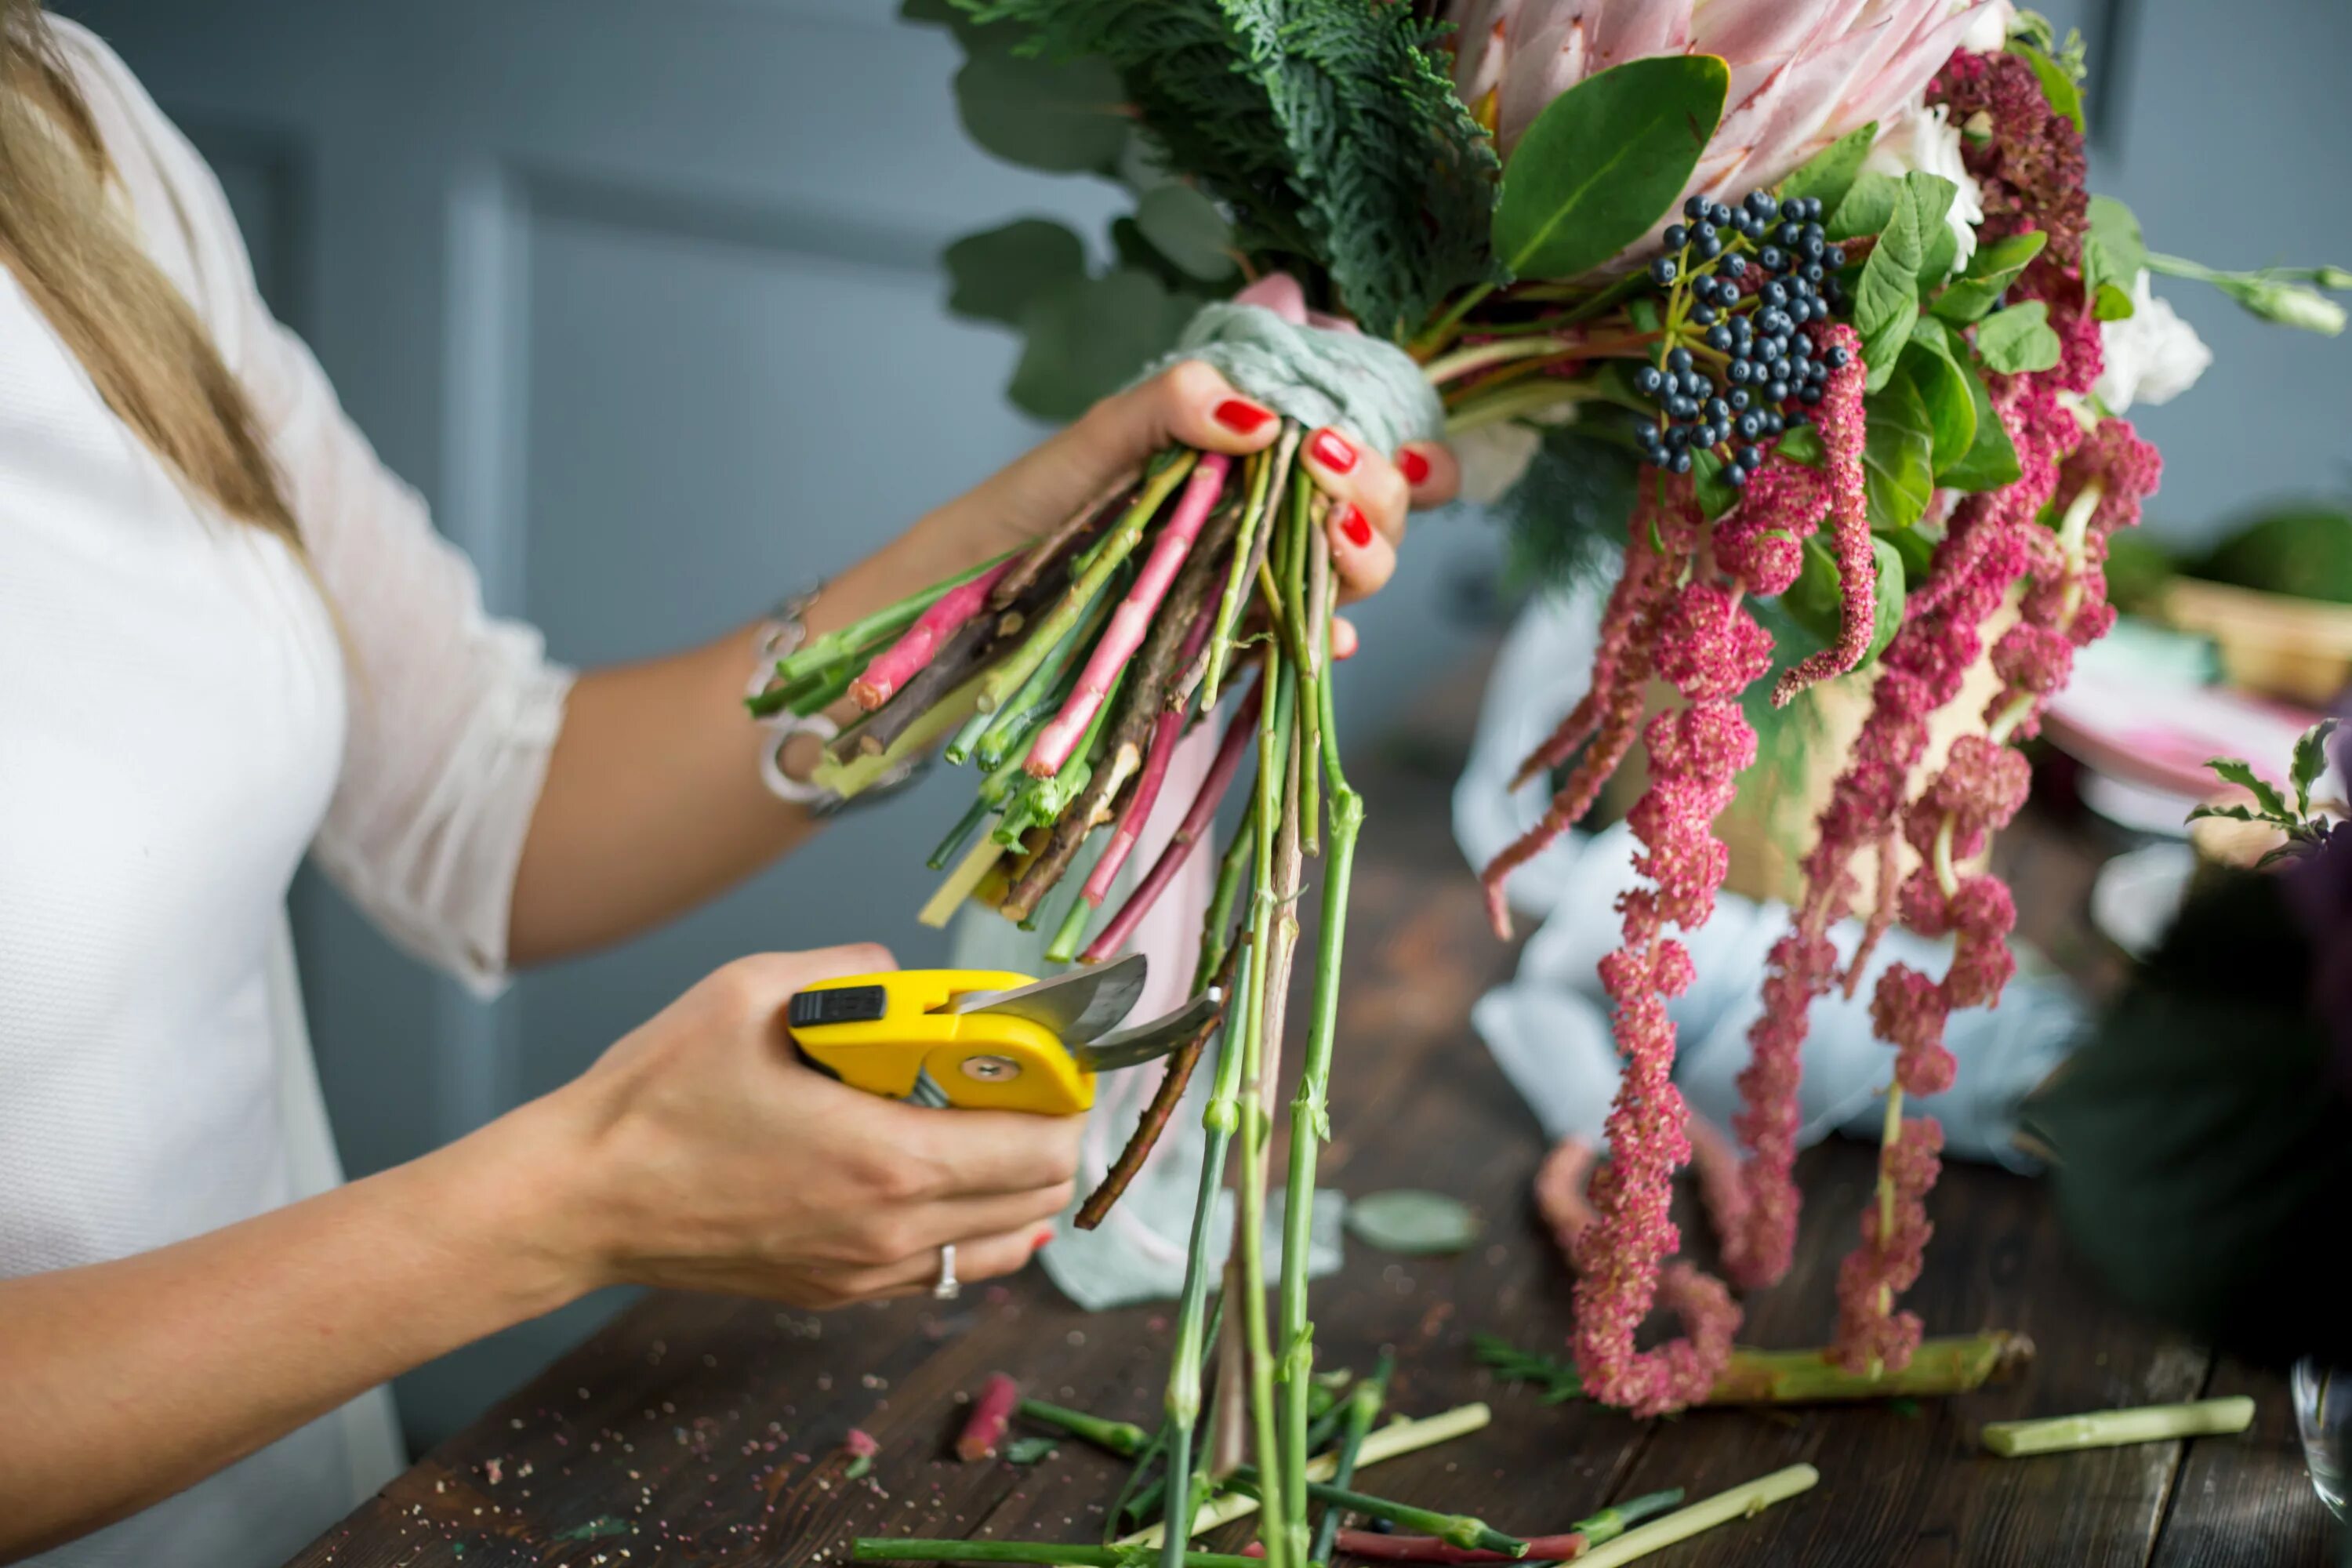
1147	1042
1080	1007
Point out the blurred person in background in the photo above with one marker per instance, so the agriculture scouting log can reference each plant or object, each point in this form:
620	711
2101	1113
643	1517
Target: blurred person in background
228	637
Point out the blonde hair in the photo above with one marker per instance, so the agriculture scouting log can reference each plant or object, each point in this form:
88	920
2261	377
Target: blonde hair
80	262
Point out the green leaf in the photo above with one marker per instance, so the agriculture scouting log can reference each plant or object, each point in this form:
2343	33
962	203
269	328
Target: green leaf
1815	602
1943	253
1062	116
1867	208
1989	272
2233	813
1186	228
1829	174
1604	162
1803	445
1714	497
2114	255
1991	461
1898	449
2057	85
1918	553
1410	1220
1931	363
1887	300
1087	340
2018	339
994	276
2267	794
2310	763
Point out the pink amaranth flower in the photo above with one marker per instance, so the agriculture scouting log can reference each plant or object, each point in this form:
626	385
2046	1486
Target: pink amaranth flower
1710	647
1870	1336
1840	420
1761	542
2026	157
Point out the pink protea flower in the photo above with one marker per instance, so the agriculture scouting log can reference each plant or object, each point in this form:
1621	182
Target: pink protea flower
1802	75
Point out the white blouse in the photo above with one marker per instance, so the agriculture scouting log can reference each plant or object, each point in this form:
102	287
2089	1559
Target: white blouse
182	717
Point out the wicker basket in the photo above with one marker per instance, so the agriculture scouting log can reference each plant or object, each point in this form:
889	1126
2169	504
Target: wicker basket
2299	649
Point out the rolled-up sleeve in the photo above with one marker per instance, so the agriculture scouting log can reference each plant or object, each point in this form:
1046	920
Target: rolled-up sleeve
453	714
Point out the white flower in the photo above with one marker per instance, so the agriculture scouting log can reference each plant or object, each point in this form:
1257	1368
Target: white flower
1924	139
2151	355
1989	33
1493	456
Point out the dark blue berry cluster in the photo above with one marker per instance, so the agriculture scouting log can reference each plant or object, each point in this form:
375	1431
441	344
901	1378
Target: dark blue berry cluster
1733	366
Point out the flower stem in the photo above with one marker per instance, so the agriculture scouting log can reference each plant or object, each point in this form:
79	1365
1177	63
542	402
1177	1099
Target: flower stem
1454	1529
888	1549
1121	1437
1721	1508
1387	1443
1364	1401
1939	1366
1266	488
991	1412
842	642
2113	1428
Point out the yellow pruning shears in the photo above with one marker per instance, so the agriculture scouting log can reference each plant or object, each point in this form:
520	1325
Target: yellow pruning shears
986	1038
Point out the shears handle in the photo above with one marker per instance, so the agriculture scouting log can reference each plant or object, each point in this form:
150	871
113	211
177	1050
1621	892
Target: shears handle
884	1034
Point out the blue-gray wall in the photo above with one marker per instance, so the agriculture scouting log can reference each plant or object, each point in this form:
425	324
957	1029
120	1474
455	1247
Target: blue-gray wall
643	297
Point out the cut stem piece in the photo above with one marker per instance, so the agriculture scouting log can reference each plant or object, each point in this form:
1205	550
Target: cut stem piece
1721	1508
884	1549
2115	1429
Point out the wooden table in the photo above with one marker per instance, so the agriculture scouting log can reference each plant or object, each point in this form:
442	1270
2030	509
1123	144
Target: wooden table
696	1431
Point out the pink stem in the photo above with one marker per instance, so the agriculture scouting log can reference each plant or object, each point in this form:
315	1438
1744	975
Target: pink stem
904	660
1429	1549
1188	834
1165	733
1128	624
992	1413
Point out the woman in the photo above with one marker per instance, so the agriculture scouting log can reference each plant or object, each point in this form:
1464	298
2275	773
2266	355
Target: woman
182	1282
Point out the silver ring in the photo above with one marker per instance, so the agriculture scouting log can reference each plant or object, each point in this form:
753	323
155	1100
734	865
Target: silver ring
949	1287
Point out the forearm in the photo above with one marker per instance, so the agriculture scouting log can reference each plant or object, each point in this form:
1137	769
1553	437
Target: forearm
653	800
130	1381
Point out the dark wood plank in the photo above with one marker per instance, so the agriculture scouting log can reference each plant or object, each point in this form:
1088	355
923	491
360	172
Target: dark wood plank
2246	1501
704	1431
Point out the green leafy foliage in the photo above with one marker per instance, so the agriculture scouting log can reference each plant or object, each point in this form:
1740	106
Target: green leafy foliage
1803	445
1558	1379
1887	301
1814	601
2017	338
1932	364
2304	830
2058	85
2303	549
1898	456
1327	130
1867	208
1088	341
1829	174
2113	257
1565	519
1413	1222
1988	273
1062	116
1991	461
1186	228
995	275
1604	161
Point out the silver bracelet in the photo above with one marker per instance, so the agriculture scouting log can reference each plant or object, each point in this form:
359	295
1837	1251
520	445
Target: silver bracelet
778	637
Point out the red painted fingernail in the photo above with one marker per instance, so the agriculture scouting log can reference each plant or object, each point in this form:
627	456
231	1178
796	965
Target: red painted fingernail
1353	524
1240	418
1332	451
1043	1237
1412	465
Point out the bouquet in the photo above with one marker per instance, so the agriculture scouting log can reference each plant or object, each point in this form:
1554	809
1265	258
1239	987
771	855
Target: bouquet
1800	308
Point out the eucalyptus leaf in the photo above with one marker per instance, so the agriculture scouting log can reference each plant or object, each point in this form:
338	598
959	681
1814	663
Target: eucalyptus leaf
1410	1220
1898	449
1829	174
1931	363
1989	272
1062	116
1132	248
2114	255
2017	338
2060	88
995	275
1991	461
1087	340
1604	162
1186	228
1868	206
